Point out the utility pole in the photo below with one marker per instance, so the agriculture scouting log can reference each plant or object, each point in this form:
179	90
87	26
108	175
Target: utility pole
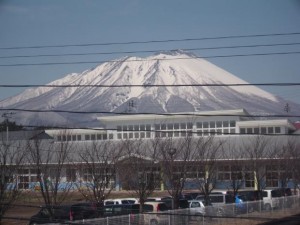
6	116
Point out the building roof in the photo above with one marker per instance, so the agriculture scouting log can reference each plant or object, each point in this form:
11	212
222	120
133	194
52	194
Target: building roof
132	117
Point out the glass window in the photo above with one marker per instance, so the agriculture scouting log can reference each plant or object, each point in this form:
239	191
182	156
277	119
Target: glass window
58	138
219	123
93	137
136	127
232	123
99	136
125	135
163	134
148	127
256	130
148	134
79	137
270	130
163	126
176	134
170	134
170	126
199	124
183	133
119	136
176	126
130	127
142	135
249	130
242	130
68	137
225	131
190	126
124	128
199	133
74	137
263	130
104	136
157	126
212	124
64	138
119	128
136	135
87	137
232	131
130	135
111	136
183	126
277	130
225	124
205	124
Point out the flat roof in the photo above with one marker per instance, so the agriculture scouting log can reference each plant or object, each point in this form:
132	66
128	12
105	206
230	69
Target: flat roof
132	117
260	123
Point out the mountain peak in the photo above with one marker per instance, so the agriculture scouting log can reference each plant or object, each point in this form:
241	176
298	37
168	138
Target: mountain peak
168	70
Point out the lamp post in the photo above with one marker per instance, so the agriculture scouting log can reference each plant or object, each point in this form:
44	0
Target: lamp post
6	116
172	152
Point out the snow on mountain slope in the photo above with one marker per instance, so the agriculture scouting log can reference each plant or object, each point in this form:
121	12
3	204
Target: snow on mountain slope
166	68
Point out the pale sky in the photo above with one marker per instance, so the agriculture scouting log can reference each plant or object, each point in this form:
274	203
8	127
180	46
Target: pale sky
65	22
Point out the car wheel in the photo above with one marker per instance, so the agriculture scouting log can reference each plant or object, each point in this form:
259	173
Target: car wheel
153	222
267	207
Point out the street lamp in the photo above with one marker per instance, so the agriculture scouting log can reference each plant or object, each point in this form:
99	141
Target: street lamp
6	116
172	152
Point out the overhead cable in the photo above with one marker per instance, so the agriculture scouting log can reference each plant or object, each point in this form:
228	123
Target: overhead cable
142	60
150	41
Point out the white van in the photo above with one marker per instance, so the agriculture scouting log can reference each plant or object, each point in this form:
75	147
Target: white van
269	201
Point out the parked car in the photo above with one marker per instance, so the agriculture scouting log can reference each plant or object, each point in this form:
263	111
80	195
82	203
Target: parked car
63	213
120	209
270	200
152	210
117	201
196	208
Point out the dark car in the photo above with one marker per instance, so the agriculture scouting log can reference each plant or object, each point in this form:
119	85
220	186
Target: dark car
63	213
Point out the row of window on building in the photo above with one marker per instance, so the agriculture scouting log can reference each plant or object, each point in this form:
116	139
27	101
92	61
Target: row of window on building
260	130
273	174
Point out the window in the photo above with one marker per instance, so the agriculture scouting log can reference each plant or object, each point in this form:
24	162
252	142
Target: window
277	130
119	136
212	124
148	127
232	123
170	126
99	137
136	127
219	123
183	126
242	130
93	137
225	124
249	130
104	136
176	126
205	124
190	126
119	128
124	128
111	136
263	130
256	130
199	125
79	137
270	130
87	137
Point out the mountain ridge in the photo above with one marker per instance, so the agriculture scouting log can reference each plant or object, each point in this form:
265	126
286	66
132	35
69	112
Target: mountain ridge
171	69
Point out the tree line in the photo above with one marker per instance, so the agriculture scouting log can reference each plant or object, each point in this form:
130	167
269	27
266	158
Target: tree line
142	166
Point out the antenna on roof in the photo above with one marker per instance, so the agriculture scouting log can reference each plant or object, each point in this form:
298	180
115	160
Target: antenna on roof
287	108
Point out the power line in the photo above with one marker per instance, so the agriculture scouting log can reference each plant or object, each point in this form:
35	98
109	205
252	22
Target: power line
144	85
141	60
141	113
150	51
149	41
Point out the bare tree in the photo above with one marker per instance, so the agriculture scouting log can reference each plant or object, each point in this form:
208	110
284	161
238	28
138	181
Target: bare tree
260	152
11	160
290	162
97	165
236	157
208	150
50	160
140	167
176	156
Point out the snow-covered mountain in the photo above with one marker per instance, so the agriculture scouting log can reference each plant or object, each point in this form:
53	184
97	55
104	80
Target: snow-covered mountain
166	68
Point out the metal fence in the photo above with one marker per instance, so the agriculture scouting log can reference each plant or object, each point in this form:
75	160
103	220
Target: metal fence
253	212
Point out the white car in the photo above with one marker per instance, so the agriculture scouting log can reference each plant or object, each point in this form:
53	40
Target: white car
196	207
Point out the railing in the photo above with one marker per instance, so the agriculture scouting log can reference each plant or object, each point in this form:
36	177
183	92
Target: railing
253	212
